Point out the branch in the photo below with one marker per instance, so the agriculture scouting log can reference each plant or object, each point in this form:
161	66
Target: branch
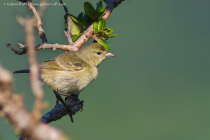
111	4
56	46
60	110
69	27
36	84
38	19
16	51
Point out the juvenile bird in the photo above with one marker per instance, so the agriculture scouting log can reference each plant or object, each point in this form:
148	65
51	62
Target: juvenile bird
71	72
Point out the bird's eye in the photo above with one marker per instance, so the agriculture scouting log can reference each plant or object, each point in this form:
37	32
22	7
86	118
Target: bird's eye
98	53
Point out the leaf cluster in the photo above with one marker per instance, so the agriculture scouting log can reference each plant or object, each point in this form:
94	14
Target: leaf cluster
91	16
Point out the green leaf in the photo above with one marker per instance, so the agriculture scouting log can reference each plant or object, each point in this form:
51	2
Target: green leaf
105	33
75	29
101	24
76	21
99	5
76	37
95	26
87	21
104	44
105	36
65	17
99	13
80	16
88	9
92	13
77	25
108	30
113	35
100	33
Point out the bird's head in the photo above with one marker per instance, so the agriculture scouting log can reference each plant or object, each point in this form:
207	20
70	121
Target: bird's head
94	54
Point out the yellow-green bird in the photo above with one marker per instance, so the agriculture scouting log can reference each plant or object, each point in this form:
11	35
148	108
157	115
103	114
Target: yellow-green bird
71	72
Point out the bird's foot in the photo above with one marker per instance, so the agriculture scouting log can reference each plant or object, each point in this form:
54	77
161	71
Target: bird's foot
73	113
74	98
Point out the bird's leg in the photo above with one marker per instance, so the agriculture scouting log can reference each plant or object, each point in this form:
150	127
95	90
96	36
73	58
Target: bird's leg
80	103
71	113
64	94
72	96
58	96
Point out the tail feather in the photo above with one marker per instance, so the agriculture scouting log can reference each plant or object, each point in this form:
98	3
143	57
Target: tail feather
21	71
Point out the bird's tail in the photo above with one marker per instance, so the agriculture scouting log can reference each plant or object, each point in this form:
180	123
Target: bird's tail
21	71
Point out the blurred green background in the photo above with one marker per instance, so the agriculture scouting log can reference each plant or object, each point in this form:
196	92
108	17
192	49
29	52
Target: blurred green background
157	88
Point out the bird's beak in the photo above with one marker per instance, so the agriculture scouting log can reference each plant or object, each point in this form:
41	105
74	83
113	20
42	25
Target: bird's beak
109	54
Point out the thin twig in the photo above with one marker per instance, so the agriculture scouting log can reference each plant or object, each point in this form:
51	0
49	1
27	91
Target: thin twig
16	51
110	5
94	37
56	46
38	20
69	27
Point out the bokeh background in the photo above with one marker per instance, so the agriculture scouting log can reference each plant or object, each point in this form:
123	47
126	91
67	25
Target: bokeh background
157	89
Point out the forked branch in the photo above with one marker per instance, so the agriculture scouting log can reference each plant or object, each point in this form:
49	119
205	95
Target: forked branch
111	4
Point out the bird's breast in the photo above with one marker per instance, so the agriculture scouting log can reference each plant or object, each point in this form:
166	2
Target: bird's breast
69	81
87	77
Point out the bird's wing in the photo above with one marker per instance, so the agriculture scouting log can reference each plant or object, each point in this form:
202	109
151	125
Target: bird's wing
64	63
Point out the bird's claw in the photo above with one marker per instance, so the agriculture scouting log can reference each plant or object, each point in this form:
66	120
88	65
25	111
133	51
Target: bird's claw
77	101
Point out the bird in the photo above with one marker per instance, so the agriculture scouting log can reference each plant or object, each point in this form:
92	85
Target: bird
70	72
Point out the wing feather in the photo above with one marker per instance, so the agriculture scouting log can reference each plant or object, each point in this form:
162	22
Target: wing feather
64	62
